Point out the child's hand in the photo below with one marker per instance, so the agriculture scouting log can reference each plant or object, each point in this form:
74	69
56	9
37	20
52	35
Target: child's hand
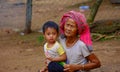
47	54
49	58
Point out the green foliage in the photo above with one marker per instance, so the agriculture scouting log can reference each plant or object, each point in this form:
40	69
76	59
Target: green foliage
40	39
34	38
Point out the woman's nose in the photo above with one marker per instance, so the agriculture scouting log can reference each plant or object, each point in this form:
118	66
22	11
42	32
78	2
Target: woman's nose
68	27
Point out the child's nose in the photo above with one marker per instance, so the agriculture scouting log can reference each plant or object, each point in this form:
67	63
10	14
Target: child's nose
51	35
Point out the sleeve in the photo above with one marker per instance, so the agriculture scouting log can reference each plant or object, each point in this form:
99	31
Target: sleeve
45	51
85	50
60	50
44	47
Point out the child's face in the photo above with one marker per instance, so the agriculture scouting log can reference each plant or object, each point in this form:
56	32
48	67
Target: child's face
50	35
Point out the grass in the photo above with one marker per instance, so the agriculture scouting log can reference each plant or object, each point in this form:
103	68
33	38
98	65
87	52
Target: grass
34	38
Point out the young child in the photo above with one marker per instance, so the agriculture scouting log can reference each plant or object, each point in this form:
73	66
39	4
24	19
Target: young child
54	52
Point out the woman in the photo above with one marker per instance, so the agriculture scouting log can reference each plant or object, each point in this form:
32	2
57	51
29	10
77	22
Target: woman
75	38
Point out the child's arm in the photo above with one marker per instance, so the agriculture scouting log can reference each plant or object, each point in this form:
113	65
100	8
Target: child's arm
60	58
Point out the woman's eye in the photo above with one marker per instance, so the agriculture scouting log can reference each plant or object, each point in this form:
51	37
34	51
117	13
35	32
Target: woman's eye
72	26
67	24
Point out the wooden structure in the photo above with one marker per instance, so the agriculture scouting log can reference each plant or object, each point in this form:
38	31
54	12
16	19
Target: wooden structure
115	1
28	17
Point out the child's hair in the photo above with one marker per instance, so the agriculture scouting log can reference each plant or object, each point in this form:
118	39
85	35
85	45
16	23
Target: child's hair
50	24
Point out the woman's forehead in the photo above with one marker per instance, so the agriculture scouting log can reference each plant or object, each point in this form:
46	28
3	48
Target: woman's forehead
71	21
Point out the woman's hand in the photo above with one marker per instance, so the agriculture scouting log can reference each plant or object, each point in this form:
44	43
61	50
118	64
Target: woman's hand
93	63
70	67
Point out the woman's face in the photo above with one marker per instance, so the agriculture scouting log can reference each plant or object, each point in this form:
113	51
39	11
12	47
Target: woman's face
70	28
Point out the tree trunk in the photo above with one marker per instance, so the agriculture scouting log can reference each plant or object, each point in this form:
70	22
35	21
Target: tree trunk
94	10
28	17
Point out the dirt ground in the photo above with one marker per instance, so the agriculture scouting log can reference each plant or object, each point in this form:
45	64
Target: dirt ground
24	53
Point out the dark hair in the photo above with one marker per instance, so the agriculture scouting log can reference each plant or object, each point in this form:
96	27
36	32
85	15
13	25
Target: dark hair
50	24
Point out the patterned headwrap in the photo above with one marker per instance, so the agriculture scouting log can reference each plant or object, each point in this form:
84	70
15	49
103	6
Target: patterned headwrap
83	28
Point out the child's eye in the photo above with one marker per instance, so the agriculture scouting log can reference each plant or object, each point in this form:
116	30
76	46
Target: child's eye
48	33
54	33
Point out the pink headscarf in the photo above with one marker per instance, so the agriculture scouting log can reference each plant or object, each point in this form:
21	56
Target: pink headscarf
83	27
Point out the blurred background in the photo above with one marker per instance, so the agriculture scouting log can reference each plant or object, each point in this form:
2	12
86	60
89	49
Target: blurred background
13	12
21	52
